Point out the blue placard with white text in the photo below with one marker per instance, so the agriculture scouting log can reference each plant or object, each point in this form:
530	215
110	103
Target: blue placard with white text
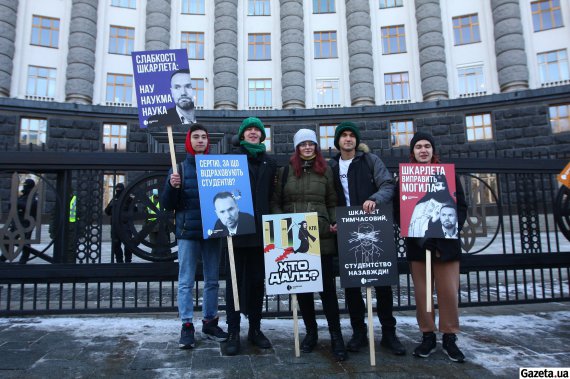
152	73
225	195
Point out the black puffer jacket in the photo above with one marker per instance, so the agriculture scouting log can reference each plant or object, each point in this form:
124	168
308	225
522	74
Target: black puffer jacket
262	180
185	201
364	182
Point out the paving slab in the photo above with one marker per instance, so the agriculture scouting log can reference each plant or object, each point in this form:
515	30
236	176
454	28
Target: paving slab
496	341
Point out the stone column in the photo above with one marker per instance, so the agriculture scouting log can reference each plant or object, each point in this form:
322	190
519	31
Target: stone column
8	11
225	55
509	45
292	54
431	44
360	61
157	35
80	72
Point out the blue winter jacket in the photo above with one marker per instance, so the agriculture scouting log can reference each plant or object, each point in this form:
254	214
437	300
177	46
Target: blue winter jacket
184	201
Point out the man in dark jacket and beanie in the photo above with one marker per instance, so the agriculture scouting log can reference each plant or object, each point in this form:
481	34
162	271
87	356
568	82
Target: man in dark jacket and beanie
181	195
248	249
364	181
111	208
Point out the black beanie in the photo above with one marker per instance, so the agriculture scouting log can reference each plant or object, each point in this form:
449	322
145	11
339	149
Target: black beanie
346	125
421	136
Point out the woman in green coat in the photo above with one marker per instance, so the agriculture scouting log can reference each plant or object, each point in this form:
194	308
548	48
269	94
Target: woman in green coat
307	185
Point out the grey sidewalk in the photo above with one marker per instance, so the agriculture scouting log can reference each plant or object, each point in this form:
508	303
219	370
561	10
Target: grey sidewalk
496	341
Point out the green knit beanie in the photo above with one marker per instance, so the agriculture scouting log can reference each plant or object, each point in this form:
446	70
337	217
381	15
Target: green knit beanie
346	125
251	122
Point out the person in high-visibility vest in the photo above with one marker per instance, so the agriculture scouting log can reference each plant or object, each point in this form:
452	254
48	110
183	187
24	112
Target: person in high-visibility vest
151	217
73	209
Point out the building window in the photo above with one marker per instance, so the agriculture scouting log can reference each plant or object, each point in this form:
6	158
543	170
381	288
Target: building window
397	86
390	3
268	139
471	80
121	40
124	3
45	31
259	94
41	82
393	39
328	92
325	45
258	8
33	130
466	29
259	47
560	118
115	136
119	89
193	7
109	183
193	42
402	132
483	194
553	66
323	6
479	127
546	14
326	137
198	87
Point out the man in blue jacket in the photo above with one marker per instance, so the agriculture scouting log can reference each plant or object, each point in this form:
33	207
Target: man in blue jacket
181	195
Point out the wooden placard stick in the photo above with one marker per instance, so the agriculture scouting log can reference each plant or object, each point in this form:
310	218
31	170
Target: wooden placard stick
429	296
172	151
296	325
370	326
233	272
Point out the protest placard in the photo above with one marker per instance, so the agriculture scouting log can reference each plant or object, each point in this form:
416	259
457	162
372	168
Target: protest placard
427	191
366	250
225	195
163	87
564	176
292	253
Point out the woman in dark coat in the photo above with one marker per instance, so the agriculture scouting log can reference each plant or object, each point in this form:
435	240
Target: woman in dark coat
309	187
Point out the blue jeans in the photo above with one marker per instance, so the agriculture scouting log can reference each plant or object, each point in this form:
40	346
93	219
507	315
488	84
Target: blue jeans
189	251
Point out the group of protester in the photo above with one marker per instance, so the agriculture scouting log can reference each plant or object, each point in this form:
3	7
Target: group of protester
355	177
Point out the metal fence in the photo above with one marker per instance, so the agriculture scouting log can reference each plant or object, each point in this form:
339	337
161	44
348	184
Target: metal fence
516	240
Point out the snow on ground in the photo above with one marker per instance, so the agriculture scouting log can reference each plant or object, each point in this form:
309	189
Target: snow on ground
493	342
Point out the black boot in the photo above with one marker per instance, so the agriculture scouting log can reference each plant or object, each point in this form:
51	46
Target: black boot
310	340
256	337
233	344
358	340
337	345
391	342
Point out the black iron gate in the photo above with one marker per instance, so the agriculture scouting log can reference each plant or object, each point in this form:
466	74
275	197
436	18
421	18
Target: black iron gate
516	240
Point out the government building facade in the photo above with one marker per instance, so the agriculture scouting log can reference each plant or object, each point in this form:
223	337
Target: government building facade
489	75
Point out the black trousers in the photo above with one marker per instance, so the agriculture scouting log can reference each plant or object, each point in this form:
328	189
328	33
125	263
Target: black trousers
116	248
250	273
384	307
328	296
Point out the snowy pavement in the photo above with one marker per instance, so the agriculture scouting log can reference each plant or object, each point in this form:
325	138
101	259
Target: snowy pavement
496	341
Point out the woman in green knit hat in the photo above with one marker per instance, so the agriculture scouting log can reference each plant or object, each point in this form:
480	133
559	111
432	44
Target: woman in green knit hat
248	249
